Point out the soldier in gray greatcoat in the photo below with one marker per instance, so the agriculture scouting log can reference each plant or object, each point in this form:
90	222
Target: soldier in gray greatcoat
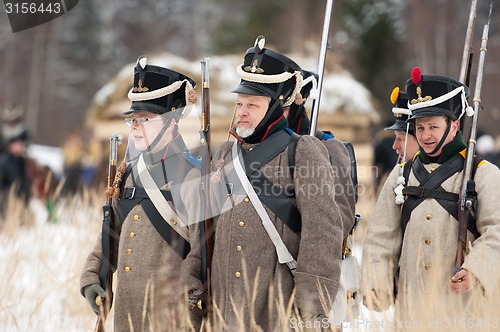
251	283
409	251
152	207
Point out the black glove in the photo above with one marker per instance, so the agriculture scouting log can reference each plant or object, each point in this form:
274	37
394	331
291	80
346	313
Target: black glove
91	292
198	303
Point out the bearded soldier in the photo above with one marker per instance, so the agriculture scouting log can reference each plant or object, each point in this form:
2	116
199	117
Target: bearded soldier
152	205
415	244
276	231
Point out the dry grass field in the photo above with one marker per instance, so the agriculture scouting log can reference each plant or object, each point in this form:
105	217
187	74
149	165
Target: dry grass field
40	264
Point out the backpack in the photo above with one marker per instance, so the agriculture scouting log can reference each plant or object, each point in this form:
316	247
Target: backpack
324	136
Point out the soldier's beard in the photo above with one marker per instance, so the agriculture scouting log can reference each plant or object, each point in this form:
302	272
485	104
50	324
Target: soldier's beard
244	133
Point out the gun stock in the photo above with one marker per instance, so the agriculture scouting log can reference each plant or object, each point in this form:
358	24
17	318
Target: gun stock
108	239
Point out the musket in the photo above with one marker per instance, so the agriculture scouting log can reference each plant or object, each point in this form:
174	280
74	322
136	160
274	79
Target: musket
206	226
321	66
468	192
466	56
109	240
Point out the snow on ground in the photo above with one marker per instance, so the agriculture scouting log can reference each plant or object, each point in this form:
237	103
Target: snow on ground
40	267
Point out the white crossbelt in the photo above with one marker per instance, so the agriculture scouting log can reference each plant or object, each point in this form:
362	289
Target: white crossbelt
159	200
284	256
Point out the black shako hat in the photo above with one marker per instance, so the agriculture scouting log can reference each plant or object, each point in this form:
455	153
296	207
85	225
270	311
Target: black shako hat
436	95
265	72
159	90
400	111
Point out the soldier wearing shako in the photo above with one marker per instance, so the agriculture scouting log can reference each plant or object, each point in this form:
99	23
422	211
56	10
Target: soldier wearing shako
153	204
405	143
275	232
418	239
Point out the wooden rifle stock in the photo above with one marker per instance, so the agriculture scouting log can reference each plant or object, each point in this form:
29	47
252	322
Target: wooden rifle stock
206	226
108	239
467	193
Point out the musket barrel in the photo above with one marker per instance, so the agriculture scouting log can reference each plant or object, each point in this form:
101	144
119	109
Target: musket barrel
468	42
467	182
321	66
477	100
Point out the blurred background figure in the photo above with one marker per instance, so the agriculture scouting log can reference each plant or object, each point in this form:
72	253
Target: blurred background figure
488	148
72	168
15	182
13	165
12	122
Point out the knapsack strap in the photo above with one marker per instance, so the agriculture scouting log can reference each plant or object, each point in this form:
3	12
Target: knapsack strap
430	187
284	256
263	153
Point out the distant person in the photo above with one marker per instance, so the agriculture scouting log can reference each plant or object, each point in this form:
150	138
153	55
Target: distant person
72	165
12	122
14	176
405	144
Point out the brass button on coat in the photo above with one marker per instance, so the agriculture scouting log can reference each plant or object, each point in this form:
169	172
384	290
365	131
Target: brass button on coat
136	217
246	199
242	223
238	274
129	251
238	248
427	267
428	217
132	234
173	222
127	269
427	241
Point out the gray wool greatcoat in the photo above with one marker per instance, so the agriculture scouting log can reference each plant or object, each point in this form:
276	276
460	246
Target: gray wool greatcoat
249	286
426	254
148	269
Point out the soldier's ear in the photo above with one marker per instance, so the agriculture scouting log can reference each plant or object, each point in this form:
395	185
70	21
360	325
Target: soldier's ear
455	125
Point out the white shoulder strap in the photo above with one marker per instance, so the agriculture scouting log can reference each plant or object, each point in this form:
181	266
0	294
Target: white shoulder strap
159	201
284	255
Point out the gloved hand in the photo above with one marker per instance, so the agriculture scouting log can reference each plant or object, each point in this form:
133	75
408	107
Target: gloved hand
198	303
91	292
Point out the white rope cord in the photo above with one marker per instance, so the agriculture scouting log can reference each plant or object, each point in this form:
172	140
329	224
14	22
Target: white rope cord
402	111
270	79
443	98
162	92
260	78
296	90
